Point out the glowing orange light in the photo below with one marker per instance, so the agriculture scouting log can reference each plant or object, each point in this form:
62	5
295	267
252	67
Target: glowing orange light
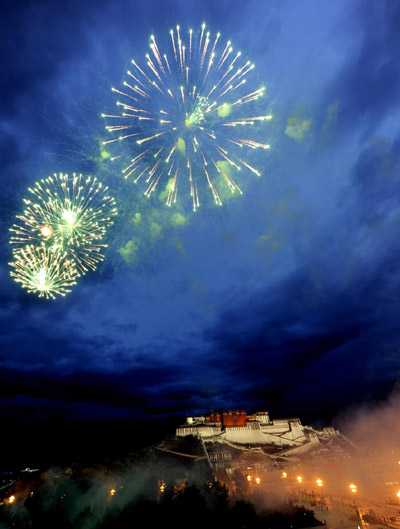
46	230
284	474
299	479
112	492
249	478
319	482
258	481
398	494
11	499
353	487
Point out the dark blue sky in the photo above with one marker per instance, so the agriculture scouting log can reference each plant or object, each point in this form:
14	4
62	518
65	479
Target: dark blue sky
286	298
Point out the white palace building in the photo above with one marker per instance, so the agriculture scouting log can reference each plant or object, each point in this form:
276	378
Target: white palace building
236	427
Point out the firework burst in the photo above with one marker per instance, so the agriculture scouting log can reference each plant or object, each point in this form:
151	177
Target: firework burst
66	215
43	271
185	116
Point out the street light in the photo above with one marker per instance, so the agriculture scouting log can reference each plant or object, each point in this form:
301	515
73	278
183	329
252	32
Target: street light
319	482
353	487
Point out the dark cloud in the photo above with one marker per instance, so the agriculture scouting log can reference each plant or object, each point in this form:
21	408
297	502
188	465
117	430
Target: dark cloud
286	298
291	347
367	85
39	40
377	182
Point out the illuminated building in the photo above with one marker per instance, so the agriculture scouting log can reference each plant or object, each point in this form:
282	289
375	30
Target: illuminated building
236	426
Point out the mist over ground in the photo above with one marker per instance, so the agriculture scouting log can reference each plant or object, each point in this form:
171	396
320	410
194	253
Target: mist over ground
114	491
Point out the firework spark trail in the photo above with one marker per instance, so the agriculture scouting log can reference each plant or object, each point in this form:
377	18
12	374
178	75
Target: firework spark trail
44	272
66	215
187	104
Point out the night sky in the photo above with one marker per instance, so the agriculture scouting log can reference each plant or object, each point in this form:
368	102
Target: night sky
284	299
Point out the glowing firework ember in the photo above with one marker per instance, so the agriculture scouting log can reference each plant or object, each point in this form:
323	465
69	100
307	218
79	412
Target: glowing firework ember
67	215
185	117
43	271
46	231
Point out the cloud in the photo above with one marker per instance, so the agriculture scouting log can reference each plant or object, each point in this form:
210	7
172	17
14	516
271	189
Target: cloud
289	345
330	122
376	181
369	82
285	297
297	129
130	251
